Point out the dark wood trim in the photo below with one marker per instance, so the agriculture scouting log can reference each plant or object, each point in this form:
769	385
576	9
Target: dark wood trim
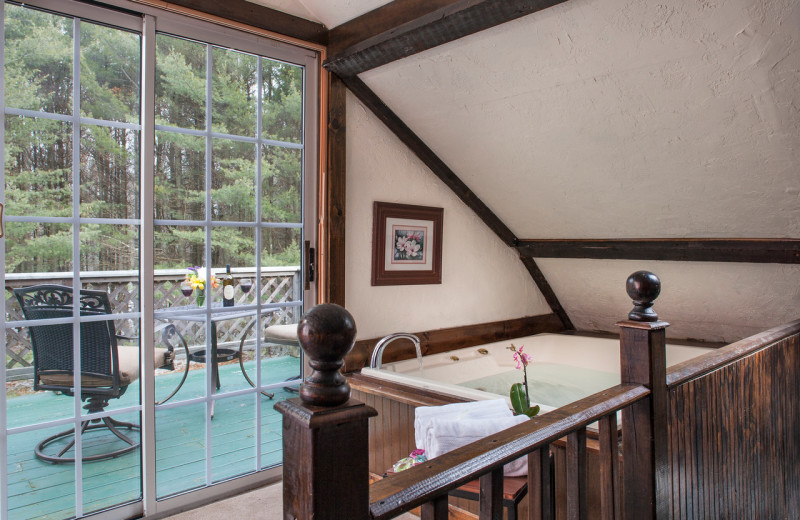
444	340
261	17
403	28
429	158
755	250
547	291
336	194
399	392
711	361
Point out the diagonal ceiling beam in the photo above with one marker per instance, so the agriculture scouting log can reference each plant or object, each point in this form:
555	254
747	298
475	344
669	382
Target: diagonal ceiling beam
753	250
429	157
406	27
261	17
446	175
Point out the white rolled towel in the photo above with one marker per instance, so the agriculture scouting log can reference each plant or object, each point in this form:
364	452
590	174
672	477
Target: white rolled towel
456	411
446	435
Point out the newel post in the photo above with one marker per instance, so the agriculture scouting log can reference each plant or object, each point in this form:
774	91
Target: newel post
325	433
645	467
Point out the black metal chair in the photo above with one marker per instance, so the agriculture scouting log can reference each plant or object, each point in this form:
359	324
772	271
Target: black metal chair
106	370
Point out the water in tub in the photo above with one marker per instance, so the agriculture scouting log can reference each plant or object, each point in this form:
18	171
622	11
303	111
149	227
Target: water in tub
549	382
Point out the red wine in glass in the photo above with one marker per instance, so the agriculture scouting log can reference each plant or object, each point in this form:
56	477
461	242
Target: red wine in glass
186	289
246	284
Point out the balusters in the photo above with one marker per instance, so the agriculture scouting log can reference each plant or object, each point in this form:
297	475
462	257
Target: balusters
541	485
491	499
436	509
609	472
576	475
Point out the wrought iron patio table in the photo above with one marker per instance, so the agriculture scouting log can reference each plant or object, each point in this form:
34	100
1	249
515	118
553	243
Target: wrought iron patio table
217	356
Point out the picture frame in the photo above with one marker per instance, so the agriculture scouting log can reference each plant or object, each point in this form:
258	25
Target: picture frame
406	244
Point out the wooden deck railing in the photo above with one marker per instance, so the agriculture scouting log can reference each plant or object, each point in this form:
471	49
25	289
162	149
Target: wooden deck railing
718	440
281	284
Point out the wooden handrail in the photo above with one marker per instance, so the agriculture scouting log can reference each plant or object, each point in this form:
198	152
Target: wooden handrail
404	491
711	361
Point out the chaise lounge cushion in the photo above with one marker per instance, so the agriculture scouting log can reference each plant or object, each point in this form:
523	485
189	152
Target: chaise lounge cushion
282	334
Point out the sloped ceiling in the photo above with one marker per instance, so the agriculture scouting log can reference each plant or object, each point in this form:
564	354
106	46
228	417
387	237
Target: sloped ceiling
329	12
624	119
619	119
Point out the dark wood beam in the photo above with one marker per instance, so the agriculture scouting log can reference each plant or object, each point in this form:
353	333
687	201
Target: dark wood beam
754	250
261	17
427	156
547	291
406	27
336	194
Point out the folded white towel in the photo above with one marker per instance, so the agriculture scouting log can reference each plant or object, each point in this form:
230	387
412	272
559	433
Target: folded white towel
456	412
446	435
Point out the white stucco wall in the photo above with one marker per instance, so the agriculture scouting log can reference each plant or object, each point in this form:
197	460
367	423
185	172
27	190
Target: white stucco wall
709	301
482	278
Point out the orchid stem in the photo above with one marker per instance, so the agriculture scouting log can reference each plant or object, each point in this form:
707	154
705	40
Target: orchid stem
525	382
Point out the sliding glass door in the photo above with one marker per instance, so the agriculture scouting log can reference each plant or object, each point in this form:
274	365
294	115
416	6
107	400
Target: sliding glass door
229	148
158	190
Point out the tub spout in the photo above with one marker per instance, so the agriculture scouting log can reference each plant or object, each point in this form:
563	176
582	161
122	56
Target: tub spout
377	354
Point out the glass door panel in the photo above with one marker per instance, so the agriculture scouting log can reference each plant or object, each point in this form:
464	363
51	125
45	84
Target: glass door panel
71	264
229	192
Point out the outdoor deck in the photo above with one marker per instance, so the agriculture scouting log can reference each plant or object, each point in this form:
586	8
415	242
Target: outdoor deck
46	491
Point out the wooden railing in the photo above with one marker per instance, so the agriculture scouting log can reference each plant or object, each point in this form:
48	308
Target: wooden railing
281	284
697	446
734	429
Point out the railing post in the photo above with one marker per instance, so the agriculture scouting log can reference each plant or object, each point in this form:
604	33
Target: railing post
325	433
645	466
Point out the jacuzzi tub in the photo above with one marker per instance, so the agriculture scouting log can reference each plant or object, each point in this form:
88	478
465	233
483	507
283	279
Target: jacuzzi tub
565	368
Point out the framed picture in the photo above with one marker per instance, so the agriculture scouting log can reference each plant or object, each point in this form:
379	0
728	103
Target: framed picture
406	244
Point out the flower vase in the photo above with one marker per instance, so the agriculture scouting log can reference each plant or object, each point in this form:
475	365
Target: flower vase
201	297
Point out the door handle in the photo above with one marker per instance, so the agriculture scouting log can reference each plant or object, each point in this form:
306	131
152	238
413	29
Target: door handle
310	264
2	226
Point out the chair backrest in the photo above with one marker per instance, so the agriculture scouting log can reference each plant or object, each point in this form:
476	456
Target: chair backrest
52	344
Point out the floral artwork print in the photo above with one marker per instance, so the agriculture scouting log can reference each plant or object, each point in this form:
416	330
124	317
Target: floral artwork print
409	245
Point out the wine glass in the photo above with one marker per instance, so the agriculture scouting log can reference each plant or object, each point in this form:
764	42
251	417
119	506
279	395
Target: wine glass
187	289
246	284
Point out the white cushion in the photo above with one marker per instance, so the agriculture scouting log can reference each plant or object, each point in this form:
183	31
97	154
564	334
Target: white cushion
129	363
282	334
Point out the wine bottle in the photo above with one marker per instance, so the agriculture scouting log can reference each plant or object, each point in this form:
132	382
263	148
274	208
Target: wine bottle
227	288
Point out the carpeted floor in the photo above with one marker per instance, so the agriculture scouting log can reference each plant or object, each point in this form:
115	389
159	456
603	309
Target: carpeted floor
265	504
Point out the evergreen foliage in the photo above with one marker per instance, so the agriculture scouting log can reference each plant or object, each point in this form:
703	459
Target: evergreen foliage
39	171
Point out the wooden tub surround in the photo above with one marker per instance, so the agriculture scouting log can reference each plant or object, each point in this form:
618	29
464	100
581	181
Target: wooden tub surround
715	437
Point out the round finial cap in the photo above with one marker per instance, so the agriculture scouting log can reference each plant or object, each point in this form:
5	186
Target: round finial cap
643	287
326	334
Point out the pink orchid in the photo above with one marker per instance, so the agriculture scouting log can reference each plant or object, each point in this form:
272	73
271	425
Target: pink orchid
521	358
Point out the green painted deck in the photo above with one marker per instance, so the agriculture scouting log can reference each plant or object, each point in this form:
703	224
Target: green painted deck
41	490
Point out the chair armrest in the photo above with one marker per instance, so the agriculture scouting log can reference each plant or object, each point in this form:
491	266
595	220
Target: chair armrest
127	338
